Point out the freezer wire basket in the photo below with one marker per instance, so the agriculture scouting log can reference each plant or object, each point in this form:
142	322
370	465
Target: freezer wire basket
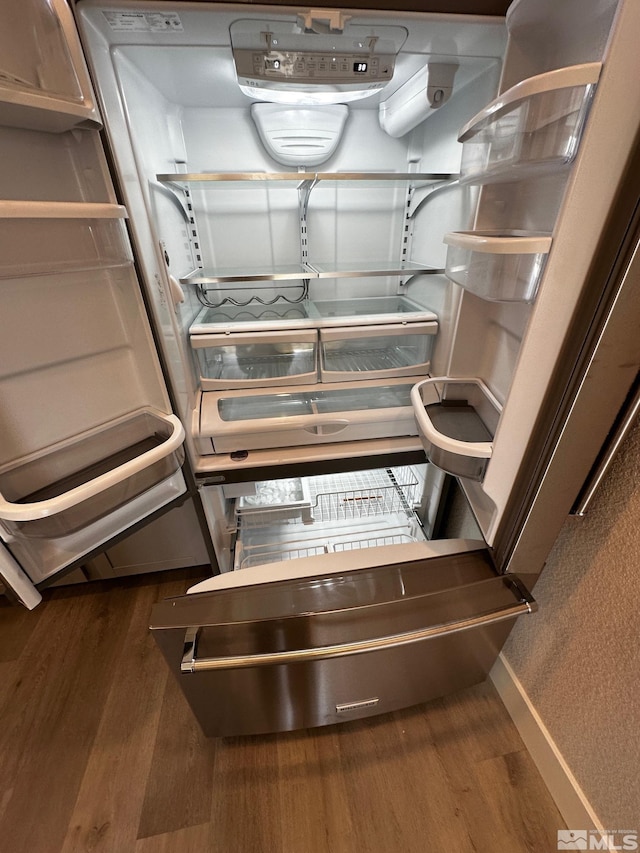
345	512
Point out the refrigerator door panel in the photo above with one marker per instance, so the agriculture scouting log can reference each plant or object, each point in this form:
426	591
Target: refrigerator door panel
89	444
296	653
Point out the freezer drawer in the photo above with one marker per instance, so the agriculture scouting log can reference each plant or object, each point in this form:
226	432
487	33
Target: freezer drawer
255	360
251	420
375	352
339	645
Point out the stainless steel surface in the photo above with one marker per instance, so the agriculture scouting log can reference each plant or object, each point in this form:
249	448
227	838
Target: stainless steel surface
591	397
613	445
191	662
291	624
371	177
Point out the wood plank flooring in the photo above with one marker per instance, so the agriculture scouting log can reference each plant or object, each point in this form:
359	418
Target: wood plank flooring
99	752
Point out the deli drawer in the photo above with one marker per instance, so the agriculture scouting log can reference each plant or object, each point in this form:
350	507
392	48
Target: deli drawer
303	415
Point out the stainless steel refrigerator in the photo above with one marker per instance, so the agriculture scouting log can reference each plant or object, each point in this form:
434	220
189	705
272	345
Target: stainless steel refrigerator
358	284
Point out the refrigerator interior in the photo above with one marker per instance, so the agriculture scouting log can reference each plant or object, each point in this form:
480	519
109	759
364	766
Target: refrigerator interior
255	245
89	445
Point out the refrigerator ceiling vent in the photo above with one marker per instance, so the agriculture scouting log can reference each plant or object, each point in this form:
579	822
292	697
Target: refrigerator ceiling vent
300	136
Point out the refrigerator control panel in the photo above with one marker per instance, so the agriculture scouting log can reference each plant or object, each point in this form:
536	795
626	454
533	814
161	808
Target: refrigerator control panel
305	67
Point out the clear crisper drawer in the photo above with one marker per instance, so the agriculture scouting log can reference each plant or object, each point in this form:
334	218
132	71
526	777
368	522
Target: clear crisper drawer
71	485
457	420
534	126
250	420
500	266
246	360
376	351
51	237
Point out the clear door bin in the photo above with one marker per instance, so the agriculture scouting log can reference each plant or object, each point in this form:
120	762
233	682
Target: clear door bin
43	82
499	266
457	420
247	360
535	126
41	237
75	483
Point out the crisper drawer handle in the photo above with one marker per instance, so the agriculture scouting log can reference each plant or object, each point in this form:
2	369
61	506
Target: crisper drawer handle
191	663
476	449
51	506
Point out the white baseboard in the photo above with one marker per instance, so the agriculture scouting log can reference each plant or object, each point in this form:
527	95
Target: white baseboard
563	787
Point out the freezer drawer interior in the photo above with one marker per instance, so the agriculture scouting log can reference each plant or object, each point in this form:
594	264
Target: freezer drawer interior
283	520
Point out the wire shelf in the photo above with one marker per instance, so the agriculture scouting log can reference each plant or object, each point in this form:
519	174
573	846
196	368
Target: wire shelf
344	512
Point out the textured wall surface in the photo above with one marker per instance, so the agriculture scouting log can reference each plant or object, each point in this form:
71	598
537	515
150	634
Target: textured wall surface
579	658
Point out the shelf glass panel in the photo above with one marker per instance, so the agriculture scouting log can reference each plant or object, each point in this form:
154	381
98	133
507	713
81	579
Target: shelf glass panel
248	274
374	307
361	269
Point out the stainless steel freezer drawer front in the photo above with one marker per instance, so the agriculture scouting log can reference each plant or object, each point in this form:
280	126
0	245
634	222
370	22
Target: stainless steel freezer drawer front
303	653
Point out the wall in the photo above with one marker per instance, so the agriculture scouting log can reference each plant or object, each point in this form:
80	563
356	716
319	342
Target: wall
577	658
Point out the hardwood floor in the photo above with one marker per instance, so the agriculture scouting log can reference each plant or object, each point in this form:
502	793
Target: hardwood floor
99	752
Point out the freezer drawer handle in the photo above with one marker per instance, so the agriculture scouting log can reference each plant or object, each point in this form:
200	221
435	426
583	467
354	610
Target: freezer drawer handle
51	506
191	663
